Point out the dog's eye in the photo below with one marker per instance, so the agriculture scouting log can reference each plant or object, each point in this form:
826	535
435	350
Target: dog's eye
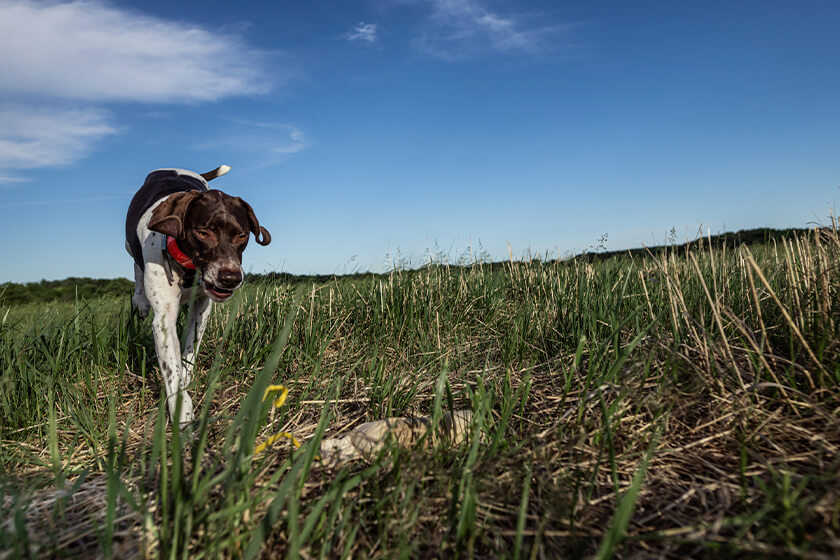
241	238
202	234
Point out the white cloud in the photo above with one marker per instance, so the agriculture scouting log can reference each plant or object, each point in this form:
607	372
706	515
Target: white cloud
72	57
296	142
52	201
460	29
42	136
272	142
12	181
91	51
363	32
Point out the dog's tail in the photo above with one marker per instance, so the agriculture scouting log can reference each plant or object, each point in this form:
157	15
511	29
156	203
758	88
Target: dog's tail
218	172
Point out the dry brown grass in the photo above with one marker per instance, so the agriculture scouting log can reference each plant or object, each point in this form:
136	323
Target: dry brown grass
724	363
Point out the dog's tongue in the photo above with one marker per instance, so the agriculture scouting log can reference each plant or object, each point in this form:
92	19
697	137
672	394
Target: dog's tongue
220	293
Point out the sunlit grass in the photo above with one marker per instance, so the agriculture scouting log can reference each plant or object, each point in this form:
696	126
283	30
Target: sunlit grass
680	404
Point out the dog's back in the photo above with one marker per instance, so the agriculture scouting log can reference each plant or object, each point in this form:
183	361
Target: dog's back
158	184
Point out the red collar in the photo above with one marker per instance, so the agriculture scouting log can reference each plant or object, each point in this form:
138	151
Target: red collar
176	253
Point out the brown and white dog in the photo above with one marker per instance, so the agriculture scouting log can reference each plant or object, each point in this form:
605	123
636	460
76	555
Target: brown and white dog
178	230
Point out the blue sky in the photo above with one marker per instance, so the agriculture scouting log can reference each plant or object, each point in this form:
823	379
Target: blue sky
388	129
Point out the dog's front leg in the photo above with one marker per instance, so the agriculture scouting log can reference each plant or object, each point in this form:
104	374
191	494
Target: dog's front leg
165	301
196	323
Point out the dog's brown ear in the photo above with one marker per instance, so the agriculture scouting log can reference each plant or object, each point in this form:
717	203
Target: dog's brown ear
168	216
260	233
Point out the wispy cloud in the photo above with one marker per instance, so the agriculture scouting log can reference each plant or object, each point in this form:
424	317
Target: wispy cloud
363	33
12	181
62	61
92	51
42	136
52	202
273	142
296	142
461	29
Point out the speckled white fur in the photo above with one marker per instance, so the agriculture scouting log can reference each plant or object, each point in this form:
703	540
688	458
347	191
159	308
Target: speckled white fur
153	290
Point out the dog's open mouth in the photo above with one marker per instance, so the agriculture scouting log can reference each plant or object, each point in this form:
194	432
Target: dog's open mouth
219	294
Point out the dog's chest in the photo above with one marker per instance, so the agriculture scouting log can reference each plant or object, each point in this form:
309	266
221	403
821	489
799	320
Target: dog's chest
191	293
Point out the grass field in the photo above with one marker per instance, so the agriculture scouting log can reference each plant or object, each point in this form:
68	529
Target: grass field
672	406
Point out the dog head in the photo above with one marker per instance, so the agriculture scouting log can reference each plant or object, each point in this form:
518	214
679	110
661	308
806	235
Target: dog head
213	229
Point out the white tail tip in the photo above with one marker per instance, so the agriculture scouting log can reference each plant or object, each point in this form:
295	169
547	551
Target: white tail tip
218	172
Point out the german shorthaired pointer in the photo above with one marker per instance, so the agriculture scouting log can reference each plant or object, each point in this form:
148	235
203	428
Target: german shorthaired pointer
187	243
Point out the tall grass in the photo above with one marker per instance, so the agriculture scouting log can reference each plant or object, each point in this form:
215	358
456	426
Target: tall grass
684	403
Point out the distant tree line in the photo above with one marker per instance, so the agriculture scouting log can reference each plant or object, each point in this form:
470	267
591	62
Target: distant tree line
729	239
71	289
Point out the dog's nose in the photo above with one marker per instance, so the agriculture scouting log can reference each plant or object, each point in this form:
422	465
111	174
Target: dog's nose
229	277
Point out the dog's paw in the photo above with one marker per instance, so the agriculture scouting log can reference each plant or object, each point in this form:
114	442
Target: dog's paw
187	419
142	309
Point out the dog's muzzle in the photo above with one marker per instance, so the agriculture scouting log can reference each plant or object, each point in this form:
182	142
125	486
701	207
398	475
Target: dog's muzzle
225	282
